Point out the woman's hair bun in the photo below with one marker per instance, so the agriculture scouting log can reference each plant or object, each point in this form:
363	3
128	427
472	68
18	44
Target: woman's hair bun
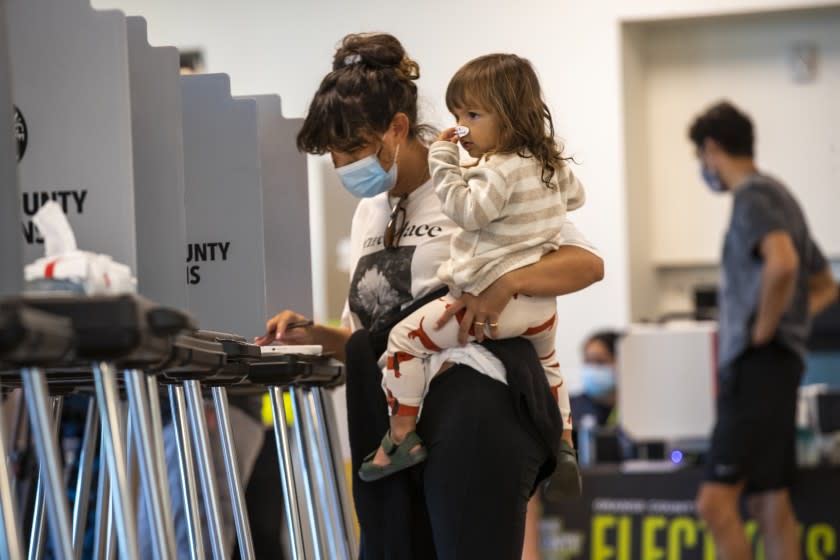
372	80
376	51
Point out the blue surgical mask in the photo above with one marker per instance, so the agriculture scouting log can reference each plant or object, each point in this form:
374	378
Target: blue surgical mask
598	380
366	178
712	179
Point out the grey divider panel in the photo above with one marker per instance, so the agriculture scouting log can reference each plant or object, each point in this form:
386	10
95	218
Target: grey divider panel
70	82
225	242
10	253
288	262
288	257
157	143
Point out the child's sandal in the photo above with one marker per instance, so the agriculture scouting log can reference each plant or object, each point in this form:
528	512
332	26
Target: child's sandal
400	455
565	482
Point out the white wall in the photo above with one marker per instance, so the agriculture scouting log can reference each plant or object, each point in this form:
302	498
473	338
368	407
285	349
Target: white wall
286	47
642	272
744	59
675	68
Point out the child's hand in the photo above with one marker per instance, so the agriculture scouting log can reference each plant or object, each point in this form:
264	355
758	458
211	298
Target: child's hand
449	135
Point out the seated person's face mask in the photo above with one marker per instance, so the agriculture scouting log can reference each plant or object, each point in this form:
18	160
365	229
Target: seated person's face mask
598	380
366	178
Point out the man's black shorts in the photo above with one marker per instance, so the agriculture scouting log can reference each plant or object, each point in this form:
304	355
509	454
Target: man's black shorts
755	435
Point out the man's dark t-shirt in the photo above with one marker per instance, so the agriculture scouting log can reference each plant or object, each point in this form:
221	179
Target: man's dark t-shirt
762	206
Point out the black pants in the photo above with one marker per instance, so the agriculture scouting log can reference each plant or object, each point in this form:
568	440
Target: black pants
468	500
755	434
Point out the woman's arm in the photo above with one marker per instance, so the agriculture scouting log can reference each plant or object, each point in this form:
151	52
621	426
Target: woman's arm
568	269
333	339
564	271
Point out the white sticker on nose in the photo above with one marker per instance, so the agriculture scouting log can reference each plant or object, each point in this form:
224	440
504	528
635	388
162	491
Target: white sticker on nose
461	131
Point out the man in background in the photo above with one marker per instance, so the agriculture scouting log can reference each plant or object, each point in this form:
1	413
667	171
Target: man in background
774	280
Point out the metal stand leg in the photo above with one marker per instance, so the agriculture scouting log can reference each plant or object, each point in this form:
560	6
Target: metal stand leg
333	499
237	496
284	453
111	531
21	488
320	477
36	536
83	479
104	378
187	466
160	453
10	536
201	439
345	499
137	388
127	436
35	392
306	474
103	503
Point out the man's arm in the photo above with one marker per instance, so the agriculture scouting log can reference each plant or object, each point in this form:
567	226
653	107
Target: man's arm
778	282
822	291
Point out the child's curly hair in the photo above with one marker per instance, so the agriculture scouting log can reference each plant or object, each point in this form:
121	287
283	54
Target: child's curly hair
507	86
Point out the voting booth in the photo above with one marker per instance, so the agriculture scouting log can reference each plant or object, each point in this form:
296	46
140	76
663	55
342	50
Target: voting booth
246	208
102	110
204	196
11	146
158	166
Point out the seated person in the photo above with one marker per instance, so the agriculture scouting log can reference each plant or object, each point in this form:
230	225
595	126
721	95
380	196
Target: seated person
599	397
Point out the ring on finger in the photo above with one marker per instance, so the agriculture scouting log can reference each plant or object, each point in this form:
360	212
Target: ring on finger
479	323
493	325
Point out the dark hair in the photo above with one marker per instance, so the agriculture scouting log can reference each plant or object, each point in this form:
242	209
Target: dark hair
727	126
371	81
608	338
507	86
191	59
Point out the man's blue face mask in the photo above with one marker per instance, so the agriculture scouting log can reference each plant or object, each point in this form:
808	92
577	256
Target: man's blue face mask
712	179
366	178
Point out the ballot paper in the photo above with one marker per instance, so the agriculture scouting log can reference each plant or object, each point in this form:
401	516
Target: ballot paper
307	349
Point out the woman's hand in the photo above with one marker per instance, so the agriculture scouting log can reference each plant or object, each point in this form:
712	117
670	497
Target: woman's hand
483	308
448	135
563	271
276	332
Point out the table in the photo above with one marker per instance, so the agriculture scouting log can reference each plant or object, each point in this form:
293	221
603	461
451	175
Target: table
649	514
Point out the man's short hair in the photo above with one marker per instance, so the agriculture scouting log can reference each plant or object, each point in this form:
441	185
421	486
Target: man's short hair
726	125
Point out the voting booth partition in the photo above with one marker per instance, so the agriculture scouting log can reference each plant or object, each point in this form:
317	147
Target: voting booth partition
11	146
204	196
